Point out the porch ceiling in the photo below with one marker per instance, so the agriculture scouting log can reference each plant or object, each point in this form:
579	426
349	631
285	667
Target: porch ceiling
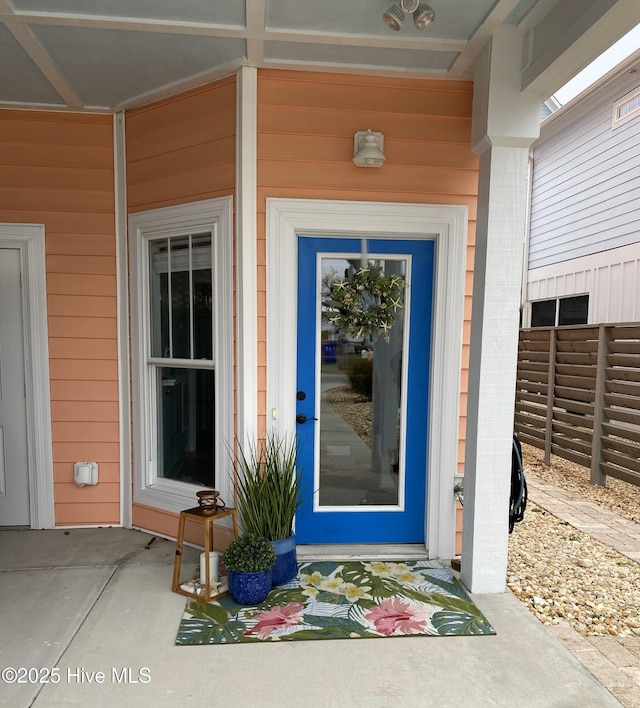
90	54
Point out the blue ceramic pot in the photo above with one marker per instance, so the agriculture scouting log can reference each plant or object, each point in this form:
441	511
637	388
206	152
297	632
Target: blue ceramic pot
249	588
286	566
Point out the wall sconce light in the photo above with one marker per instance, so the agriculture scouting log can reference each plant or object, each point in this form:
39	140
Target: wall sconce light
423	15
367	149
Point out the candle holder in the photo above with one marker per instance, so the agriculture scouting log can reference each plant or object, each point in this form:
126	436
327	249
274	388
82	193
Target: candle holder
209	501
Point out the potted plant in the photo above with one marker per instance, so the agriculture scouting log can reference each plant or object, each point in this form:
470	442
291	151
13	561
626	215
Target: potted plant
249	560
268	495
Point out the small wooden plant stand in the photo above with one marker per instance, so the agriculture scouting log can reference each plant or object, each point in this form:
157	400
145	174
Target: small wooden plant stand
207	517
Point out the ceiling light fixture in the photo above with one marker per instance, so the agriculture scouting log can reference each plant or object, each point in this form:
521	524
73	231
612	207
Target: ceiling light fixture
423	15
394	17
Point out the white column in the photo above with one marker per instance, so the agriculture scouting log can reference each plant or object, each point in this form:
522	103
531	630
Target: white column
246	254
505	122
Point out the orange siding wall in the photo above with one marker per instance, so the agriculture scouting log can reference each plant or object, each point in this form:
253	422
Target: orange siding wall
306	124
180	150
56	169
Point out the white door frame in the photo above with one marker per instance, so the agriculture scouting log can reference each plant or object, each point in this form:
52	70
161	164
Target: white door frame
447	225
29	240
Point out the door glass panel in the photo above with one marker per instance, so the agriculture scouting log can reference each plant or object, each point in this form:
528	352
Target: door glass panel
361	398
185	424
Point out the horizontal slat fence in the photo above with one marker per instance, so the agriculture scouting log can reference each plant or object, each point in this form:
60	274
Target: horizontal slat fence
578	396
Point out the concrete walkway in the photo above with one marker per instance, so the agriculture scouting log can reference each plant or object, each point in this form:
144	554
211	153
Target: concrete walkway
600	523
91	613
614	661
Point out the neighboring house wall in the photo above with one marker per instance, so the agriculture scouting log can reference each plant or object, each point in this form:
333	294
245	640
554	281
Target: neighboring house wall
57	170
585	206
180	150
306	124
610	278
586	180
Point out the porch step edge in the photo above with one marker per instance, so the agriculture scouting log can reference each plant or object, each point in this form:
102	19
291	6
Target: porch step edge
401	552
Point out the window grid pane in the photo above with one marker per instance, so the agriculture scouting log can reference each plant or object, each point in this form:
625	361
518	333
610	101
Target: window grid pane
202	297
181	300
626	108
190	298
543	313
185	424
573	310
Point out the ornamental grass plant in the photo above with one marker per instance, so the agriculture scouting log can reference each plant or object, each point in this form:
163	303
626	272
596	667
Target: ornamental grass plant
267	486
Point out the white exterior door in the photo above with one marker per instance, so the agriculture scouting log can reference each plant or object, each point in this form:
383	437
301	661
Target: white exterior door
14	467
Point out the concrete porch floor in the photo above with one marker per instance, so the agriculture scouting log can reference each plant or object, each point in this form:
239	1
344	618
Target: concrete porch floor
99	600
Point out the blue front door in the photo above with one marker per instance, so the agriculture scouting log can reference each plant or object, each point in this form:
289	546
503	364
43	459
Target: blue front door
362	401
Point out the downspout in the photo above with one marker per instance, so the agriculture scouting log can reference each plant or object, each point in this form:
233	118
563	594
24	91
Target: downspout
122	281
525	314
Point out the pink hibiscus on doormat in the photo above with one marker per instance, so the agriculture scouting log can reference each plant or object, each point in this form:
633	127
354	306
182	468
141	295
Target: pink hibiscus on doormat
395	615
275	618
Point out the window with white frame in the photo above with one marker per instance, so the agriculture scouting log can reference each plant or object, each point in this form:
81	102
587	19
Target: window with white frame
181	263
560	311
626	108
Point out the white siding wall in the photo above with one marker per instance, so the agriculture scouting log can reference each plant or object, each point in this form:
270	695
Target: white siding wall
586	180
611	279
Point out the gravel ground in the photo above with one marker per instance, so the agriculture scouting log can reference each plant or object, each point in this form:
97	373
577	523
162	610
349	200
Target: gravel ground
353	408
620	497
562	574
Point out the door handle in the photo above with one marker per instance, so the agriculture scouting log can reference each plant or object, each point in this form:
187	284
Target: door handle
302	418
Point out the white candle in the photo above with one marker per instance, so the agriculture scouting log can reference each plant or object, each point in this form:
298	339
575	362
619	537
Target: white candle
213	568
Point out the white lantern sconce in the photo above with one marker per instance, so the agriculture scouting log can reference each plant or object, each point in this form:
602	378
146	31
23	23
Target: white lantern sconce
368	149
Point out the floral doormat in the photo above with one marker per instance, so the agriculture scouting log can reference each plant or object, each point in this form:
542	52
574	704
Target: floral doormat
343	600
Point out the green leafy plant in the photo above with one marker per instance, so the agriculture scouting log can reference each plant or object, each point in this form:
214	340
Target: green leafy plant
267	486
361	377
249	554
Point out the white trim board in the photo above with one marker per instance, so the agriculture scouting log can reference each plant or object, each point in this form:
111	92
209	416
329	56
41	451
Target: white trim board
388	552
122	284
246	255
215	215
29	239
447	225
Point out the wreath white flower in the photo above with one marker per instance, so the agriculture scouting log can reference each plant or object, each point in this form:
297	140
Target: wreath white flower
364	302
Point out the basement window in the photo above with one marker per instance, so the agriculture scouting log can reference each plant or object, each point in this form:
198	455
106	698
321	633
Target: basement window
543	313
573	310
560	311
